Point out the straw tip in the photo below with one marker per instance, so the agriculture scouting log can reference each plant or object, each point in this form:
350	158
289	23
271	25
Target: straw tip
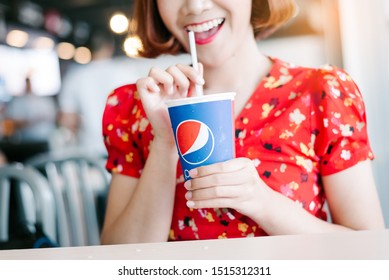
191	36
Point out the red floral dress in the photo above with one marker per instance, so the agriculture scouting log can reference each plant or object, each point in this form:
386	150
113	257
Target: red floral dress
299	124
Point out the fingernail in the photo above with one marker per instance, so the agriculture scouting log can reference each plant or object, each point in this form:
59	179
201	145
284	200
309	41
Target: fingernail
188	195
193	172
188	184
190	204
200	80
156	88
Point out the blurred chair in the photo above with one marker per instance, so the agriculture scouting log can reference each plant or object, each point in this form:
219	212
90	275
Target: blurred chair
20	178
79	183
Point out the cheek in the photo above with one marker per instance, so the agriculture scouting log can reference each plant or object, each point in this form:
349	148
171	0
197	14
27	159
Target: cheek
169	11
166	14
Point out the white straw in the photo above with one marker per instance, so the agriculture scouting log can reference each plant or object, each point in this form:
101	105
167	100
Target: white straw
193	53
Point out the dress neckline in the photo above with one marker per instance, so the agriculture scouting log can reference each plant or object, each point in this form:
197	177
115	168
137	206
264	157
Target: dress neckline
272	72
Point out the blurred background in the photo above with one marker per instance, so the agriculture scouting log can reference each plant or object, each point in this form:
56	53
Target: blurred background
45	45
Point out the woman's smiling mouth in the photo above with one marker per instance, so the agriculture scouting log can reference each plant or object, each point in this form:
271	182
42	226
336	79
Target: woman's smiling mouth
206	31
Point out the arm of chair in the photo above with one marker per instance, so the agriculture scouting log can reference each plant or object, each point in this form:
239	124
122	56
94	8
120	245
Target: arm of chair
43	198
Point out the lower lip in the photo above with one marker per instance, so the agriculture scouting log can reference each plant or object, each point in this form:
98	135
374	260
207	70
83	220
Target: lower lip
207	40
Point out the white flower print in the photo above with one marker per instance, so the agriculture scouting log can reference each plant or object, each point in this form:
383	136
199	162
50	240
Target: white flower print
346	154
292	96
344	142
316	189
296	117
312	206
325	123
336	92
113	101
346	130
342	75
143	124
230	216
135	126
306	163
360	125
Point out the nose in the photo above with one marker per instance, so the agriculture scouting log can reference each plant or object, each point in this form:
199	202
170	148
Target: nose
196	7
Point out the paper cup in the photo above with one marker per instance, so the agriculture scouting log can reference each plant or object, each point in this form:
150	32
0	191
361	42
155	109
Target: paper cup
203	128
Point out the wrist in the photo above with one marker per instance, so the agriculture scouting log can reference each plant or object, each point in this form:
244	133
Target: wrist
162	146
260	212
275	208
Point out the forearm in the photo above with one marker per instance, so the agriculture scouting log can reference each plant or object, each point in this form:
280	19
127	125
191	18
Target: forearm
235	184
147	215
281	216
351	196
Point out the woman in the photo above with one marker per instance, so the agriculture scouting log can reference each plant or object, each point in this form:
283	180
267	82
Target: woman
301	137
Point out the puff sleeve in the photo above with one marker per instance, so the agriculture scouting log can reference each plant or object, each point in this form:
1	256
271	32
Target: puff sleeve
123	124
340	124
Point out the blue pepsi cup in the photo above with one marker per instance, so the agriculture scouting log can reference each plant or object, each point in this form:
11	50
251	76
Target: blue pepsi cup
203	128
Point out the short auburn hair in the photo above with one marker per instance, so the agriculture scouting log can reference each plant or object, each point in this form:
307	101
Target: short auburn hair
266	17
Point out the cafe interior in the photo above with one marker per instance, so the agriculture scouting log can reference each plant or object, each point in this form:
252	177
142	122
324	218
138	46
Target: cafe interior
51	184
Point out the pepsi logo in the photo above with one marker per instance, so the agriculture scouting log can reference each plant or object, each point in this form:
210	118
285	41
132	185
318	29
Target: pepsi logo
195	141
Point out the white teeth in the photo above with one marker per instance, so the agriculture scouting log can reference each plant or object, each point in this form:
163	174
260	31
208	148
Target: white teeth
206	25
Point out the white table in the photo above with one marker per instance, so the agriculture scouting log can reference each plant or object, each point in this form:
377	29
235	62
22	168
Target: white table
359	245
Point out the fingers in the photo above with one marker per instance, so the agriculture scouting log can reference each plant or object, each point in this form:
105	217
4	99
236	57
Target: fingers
185	78
180	82
162	79
224	184
229	166
211	203
205	192
194	76
175	80
218	174
214	192
147	85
